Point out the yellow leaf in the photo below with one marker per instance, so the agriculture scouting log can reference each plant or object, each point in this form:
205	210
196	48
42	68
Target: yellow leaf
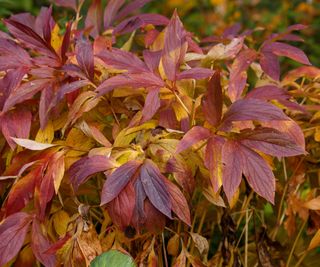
56	39
317	134
60	222
59	170
46	135
173	245
315	242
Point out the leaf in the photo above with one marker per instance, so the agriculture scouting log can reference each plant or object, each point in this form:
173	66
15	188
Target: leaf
151	105
122	60
270	65
22	192
67	3
195	73
193	136
282	49
181	261
146	79
175	47
155	187
16	123
251	109
270	141
238	73
118	180
13	231
228	51
179	203
313	204
121	208
32	145
113	258
258	173
94	18
111	11
40	244
87	166
84	55
130	7
231	159
213	161
24	92
212	101
200	242
315	242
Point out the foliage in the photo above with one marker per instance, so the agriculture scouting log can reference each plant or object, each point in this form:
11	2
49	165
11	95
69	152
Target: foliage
127	135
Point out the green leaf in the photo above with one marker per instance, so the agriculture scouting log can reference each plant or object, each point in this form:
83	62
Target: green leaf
113	258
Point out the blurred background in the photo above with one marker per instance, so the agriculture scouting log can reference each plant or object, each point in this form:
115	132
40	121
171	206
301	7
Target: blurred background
211	17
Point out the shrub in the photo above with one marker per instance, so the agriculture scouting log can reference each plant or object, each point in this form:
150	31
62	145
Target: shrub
129	134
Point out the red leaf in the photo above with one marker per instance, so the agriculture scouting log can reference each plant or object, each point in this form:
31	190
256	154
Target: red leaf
40	244
122	60
270	65
152	59
45	99
155	188
257	172
22	191
56	246
144	79
251	109
121	208
282	49
213	160
16	123
195	73
87	166
179	203
193	136
13	231
65	43
175	47
67	3
118	180
84	54
231	159
238	73
151	105
212	100
268	92
270	141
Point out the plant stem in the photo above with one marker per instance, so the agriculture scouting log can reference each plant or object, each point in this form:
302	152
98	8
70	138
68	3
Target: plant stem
295	242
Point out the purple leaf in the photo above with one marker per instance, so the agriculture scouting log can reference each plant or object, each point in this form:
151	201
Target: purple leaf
144	79
212	101
270	65
13	231
251	109
118	180
152	59
268	92
231	159
282	49
84	54
135	22
87	166
130	7
238	73
16	123
193	136
122	60
154	185
67	3
175	47
270	141
45	99
110	12
94	18
195	73
24	92
151	106
257	172
12	56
